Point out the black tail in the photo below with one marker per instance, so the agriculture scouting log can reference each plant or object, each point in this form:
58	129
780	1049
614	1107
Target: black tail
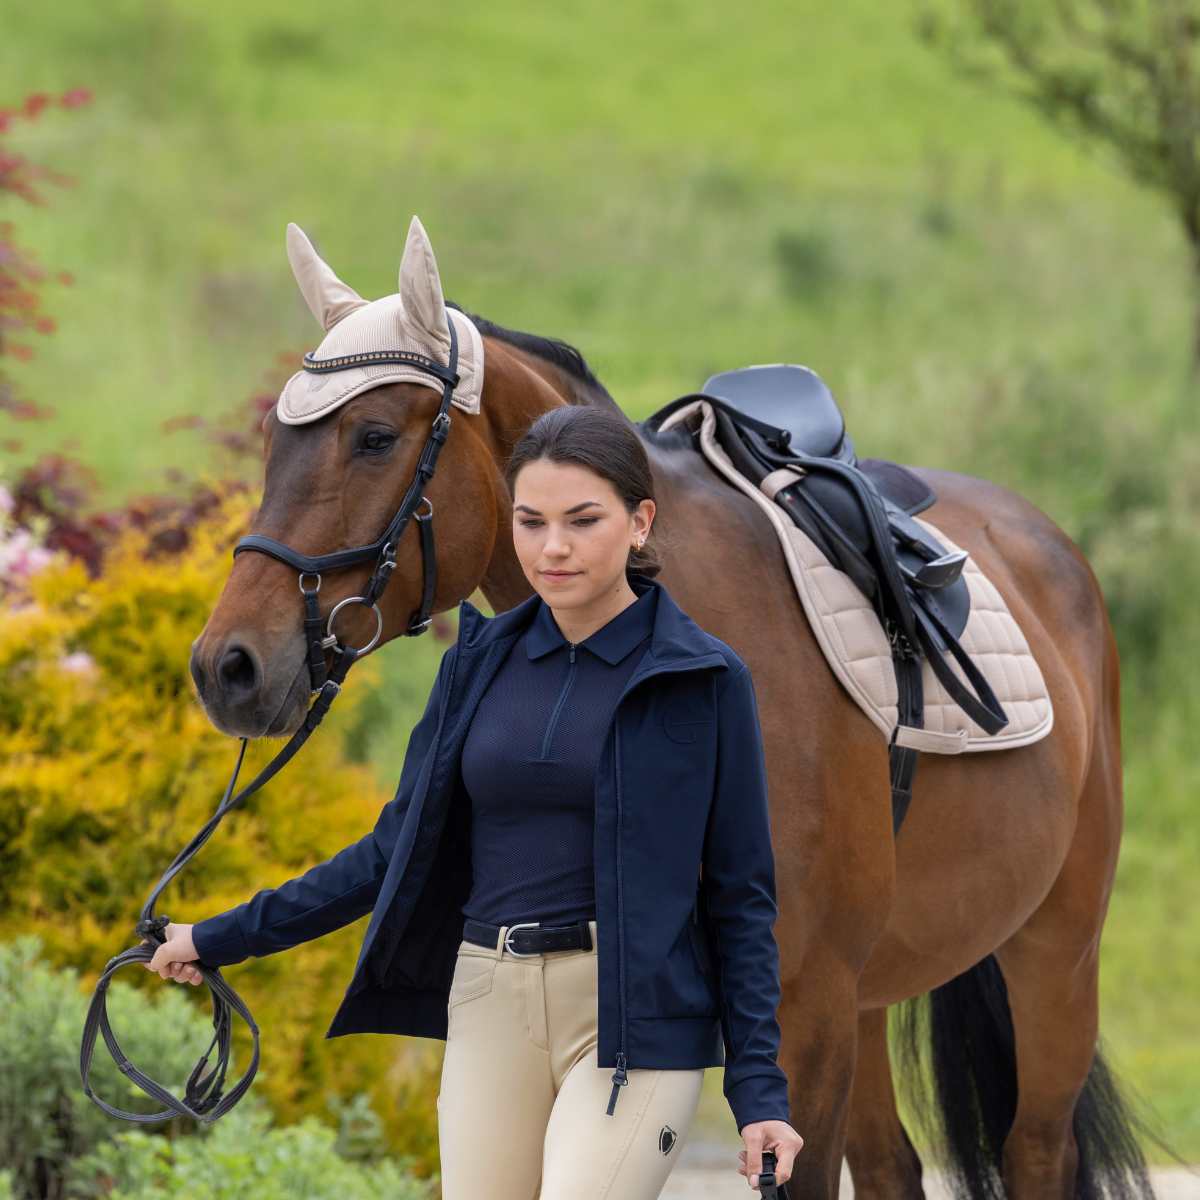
968	1029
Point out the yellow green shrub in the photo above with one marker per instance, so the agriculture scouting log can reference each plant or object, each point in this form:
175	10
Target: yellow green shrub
108	767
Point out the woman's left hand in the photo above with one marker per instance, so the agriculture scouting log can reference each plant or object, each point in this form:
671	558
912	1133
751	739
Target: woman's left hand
778	1137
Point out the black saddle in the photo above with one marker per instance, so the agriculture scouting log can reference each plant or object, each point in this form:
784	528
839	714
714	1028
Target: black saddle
859	513
787	397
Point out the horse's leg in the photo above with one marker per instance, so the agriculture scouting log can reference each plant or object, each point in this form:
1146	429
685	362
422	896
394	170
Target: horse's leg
820	1070
1050	967
830	918
1055	1021
883	1163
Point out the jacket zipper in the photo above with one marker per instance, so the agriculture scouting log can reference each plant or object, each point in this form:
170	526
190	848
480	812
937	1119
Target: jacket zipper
620	1076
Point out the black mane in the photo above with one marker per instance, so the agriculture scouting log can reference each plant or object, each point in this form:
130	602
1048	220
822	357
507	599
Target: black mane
560	353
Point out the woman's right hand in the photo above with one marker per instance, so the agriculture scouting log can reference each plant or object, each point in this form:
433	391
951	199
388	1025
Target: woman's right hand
171	959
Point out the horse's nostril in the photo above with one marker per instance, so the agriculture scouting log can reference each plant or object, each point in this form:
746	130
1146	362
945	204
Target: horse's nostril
238	671
197	672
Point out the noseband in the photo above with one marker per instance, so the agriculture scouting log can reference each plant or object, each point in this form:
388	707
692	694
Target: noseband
204	1098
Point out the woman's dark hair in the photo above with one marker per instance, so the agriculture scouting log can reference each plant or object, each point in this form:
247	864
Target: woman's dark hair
603	441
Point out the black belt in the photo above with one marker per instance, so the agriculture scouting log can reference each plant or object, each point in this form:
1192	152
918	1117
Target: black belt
529	937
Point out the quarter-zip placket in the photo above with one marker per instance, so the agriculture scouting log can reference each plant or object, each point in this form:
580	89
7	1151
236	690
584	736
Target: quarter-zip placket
562	696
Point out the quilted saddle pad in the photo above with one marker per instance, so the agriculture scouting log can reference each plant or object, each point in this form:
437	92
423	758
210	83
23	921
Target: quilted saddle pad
856	647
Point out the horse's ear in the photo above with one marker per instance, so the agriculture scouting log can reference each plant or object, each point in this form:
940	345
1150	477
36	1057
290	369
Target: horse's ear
421	286
328	298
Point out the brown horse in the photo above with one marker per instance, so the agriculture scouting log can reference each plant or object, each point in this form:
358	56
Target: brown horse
992	896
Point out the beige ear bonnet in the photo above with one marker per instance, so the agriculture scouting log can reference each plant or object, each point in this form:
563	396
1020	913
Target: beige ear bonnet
411	322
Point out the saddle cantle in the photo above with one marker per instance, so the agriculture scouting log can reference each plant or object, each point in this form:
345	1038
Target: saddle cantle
788	397
778	433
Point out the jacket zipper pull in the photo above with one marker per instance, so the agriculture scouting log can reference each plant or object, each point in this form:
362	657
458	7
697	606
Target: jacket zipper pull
619	1080
572	645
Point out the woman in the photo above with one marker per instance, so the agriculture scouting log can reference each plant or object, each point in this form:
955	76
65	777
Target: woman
586	881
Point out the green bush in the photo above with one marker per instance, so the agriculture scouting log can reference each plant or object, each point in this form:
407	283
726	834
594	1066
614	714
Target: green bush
54	1141
239	1156
45	1119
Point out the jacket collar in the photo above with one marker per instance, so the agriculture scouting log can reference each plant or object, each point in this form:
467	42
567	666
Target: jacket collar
674	636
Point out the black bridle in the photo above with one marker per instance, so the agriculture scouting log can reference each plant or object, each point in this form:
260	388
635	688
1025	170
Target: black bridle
204	1097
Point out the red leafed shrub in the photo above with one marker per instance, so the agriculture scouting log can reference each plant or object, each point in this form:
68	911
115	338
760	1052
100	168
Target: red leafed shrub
21	278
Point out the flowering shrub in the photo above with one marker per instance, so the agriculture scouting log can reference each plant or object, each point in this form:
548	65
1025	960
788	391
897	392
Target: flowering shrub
108	765
21	549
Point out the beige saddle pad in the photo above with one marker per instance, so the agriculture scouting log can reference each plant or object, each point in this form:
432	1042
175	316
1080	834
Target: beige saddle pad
857	649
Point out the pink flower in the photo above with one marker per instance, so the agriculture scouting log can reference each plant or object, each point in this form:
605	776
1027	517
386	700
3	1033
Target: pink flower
39	557
79	662
21	556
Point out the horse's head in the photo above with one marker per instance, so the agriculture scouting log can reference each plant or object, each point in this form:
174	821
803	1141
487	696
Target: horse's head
347	444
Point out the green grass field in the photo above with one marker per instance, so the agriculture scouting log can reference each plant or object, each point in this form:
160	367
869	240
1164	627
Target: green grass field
676	189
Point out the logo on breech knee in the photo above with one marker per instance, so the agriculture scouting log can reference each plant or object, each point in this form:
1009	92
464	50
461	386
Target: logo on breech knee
666	1139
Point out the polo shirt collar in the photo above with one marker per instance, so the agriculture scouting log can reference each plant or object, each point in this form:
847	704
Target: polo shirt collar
611	642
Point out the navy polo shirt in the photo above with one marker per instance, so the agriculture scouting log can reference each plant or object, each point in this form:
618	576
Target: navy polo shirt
529	765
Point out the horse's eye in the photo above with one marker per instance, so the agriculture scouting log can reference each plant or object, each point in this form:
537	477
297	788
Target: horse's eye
375	442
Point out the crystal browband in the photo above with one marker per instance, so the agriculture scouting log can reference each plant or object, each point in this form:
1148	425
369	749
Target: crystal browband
319	365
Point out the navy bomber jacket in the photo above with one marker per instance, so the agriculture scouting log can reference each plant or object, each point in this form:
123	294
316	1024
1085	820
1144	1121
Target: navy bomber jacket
688	966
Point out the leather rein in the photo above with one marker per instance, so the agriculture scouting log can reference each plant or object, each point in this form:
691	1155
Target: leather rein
204	1097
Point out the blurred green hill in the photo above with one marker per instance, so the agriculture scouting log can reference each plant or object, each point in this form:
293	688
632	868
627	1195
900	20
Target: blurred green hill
675	189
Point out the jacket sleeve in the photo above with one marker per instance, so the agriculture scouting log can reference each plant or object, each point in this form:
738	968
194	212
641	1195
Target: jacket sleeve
335	892
738	877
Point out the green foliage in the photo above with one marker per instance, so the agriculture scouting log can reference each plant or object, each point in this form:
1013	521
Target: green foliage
45	1119
108	765
55	1141
241	1155
1122	73
1119	75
